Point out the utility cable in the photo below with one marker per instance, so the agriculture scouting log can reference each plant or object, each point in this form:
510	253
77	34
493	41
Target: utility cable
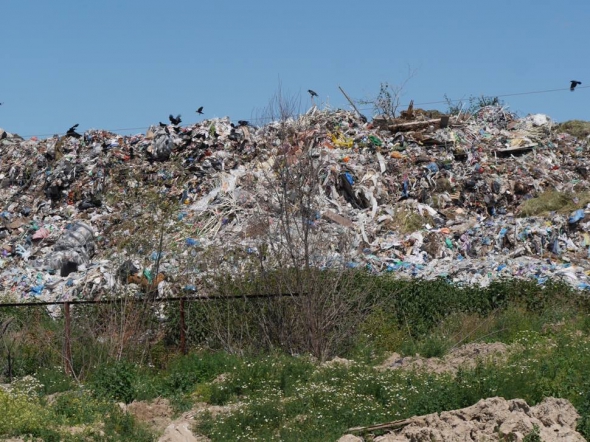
267	119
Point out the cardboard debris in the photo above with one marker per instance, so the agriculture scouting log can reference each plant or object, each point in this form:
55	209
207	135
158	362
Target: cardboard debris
338	219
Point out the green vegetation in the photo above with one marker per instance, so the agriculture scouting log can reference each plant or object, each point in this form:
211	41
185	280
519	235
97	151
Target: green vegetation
72	416
554	201
471	105
323	401
408	221
577	128
270	393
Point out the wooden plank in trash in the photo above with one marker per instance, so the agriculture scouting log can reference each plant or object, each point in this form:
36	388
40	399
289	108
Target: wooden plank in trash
332	216
414	125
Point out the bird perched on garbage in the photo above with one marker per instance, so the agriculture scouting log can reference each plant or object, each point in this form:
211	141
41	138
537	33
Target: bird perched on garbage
312	93
243	122
72	132
162	124
200	110
176	120
574	84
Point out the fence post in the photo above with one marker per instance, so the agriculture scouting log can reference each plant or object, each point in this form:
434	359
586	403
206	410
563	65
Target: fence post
67	340
182	328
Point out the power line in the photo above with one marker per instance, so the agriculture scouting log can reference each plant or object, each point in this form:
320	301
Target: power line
498	96
267	119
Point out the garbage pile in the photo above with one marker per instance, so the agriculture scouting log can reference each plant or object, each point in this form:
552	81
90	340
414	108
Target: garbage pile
468	198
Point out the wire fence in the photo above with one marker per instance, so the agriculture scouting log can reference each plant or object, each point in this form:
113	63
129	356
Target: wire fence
128	320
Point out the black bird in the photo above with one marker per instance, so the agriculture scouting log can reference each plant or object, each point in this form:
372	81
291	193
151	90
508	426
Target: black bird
312	93
243	122
176	120
574	84
162	124
72	132
200	110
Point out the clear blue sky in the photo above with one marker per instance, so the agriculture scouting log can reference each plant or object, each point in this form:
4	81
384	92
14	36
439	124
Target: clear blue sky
114	64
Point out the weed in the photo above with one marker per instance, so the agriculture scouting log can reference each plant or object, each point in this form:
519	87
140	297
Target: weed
54	380
114	381
534	435
472	105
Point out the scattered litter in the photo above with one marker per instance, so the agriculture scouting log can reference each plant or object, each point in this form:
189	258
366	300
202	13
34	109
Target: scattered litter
418	196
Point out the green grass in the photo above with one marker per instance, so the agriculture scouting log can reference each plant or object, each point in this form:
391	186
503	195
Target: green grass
407	221
25	413
275	396
326	401
554	201
577	128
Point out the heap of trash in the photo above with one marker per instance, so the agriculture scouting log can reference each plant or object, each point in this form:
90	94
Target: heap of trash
469	198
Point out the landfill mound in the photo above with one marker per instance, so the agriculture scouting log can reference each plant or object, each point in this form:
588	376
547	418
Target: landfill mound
493	419
93	214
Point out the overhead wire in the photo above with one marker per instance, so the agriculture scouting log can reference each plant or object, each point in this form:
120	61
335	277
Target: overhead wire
266	119
495	96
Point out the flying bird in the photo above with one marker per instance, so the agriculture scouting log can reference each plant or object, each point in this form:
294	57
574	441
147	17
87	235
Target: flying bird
200	110
574	84
72	132
176	120
312	93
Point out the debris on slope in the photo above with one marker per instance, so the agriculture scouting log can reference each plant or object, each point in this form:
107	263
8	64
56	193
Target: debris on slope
420	196
466	356
493	419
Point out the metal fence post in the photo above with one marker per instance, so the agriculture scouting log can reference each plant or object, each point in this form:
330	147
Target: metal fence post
182	328
67	341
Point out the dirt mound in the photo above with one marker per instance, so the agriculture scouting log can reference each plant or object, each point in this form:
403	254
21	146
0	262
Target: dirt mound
465	356
493	419
180	430
157	413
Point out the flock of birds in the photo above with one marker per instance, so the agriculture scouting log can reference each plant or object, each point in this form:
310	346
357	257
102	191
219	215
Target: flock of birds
175	121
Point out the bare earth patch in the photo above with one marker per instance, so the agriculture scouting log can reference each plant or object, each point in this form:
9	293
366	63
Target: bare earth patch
465	356
158	415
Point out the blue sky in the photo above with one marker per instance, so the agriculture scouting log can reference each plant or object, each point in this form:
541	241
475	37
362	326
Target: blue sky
115	64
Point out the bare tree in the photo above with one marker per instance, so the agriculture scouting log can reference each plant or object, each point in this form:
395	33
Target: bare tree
388	99
298	255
